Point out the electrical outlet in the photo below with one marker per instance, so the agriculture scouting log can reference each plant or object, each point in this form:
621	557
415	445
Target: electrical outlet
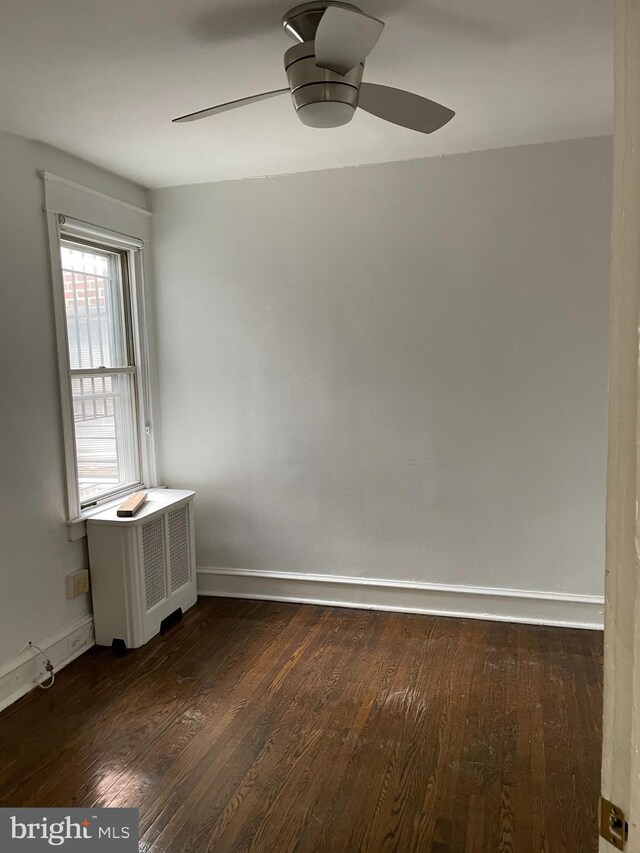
77	640
77	583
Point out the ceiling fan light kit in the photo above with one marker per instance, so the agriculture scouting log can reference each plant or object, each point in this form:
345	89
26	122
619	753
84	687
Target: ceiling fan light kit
325	69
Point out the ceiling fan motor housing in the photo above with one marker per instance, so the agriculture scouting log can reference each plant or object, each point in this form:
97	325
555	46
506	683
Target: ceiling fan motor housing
322	98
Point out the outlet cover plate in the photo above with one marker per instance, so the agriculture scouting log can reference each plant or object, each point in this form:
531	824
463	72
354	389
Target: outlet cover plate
77	583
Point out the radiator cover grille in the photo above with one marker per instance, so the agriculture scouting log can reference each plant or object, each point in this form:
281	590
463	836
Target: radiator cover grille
153	562
180	574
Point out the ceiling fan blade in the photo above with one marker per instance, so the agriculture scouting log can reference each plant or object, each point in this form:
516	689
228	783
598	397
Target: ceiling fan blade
230	105
403	108
345	38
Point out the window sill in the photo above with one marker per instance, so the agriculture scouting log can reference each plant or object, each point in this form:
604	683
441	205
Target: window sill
76	527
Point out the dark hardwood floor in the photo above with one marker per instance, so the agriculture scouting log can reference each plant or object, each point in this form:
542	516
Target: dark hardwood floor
259	726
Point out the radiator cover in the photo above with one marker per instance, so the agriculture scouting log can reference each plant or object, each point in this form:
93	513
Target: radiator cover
142	568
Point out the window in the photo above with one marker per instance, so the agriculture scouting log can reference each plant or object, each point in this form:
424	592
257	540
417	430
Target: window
101	357
106	351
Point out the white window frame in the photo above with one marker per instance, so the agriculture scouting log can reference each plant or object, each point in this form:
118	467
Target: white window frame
61	193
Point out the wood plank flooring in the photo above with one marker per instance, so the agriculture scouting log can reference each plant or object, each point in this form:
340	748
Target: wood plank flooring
261	726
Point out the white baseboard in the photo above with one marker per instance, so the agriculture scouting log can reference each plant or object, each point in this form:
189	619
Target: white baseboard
19	675
504	605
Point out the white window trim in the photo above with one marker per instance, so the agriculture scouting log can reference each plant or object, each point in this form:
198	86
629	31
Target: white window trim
72	210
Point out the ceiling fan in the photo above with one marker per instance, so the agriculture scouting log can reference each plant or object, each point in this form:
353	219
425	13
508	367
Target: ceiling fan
325	68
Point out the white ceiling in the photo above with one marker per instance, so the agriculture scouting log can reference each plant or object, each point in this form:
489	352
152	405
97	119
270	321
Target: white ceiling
102	79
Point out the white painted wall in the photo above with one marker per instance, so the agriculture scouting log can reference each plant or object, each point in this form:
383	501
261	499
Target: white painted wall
394	371
35	554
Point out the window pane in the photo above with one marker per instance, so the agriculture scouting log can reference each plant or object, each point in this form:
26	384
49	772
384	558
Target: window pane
105	433
94	307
